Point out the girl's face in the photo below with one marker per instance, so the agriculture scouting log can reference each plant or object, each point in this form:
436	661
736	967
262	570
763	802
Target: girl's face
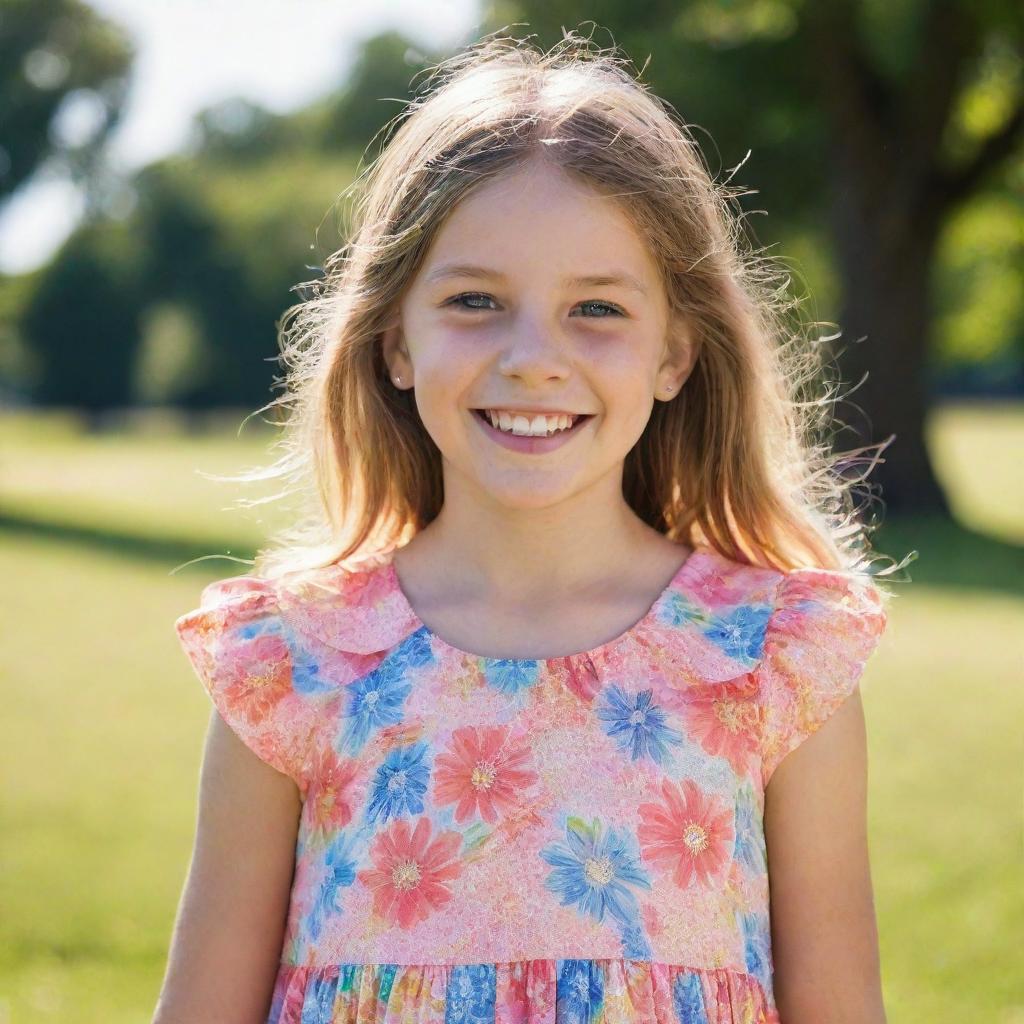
537	294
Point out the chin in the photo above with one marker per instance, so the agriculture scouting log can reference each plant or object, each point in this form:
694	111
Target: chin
531	495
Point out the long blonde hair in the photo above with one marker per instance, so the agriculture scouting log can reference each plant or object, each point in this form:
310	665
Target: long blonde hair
739	459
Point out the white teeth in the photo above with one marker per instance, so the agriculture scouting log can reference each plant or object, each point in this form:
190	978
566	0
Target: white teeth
538	426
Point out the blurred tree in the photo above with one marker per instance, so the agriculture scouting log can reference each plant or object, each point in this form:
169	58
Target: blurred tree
224	231
64	74
82	321
376	90
189	260
879	120
236	130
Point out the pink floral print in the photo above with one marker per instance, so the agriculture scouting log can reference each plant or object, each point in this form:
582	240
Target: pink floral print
530	840
479	775
411	870
689	834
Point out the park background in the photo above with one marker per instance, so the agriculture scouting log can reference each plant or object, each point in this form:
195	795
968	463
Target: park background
886	143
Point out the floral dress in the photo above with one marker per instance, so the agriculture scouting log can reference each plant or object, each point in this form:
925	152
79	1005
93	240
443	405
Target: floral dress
573	839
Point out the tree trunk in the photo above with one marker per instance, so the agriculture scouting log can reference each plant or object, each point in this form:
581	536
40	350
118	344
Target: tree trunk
885	263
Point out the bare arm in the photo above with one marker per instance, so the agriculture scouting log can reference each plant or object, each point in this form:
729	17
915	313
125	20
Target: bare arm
228	934
824	934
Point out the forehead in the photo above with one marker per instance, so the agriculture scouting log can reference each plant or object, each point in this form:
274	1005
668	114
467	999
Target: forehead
537	215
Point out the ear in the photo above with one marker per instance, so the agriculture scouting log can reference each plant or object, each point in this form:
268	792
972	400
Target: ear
395	353
681	351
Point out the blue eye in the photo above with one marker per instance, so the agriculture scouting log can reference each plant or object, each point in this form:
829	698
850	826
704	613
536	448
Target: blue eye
614	310
460	300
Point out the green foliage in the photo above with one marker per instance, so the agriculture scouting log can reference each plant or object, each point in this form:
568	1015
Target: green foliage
54	53
237	131
228	244
171	355
82	321
979	299
378	87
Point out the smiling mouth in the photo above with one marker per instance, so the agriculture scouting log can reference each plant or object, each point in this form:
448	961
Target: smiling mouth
576	423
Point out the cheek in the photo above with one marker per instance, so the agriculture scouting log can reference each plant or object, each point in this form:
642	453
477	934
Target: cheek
444	378
627	396
444	388
623	377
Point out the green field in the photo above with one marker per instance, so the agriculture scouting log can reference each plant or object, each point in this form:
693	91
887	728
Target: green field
105	721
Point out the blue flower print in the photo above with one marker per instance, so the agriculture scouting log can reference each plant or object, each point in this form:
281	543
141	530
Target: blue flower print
470	995
741	631
757	944
306	678
634	943
509	676
579	992
399	784
678	609
415	650
593	871
749	848
341	871
375	700
637	726
688	999
318	1004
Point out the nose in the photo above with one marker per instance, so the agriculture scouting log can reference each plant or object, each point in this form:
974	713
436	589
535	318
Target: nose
534	352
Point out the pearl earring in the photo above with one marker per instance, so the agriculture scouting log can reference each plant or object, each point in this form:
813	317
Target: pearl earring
398	380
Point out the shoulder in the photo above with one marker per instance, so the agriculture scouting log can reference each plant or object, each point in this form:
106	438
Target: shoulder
234	615
840	611
824	626
240	651
227	602
273	654
789	645
752	610
355	609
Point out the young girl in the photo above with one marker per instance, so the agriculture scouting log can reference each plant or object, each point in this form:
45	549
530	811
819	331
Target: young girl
552	715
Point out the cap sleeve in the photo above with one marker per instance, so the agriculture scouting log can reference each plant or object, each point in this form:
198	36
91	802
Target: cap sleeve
824	627
239	648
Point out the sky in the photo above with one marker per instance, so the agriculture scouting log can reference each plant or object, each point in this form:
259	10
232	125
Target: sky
191	53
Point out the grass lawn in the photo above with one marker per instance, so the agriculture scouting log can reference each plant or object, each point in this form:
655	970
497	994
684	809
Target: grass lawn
105	721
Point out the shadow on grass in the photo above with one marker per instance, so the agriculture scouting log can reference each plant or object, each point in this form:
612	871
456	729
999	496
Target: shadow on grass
220	557
948	555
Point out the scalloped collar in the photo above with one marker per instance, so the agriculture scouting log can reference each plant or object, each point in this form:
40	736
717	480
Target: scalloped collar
713	615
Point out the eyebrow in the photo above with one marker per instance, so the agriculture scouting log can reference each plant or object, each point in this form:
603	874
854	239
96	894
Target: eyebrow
613	277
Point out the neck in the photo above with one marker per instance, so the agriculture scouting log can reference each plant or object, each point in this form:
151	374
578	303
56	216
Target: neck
513	556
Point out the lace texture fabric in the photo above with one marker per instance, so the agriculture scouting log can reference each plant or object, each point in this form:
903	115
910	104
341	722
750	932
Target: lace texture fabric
546	840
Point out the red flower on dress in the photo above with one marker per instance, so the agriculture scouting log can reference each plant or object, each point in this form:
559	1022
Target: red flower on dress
256	683
723	718
410	871
329	796
483	771
691	834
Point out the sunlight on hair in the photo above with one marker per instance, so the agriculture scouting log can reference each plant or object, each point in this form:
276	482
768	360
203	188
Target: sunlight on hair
741	459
